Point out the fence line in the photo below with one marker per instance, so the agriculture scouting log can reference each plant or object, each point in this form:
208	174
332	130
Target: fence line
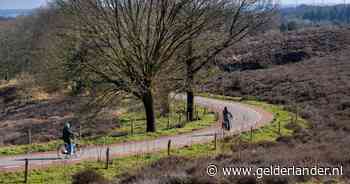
104	152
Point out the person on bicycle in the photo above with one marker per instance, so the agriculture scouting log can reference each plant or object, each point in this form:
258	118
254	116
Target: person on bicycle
227	116
68	136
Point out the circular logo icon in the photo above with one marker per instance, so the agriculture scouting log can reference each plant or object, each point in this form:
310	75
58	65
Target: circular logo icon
212	170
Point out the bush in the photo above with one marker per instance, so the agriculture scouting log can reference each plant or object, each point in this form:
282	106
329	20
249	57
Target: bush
89	177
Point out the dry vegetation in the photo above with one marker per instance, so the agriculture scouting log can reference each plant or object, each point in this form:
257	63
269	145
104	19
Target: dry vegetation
86	46
24	106
319	87
306	70
276	48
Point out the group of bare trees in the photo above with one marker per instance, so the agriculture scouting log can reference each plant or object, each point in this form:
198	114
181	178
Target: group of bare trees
130	44
14	44
31	44
133	47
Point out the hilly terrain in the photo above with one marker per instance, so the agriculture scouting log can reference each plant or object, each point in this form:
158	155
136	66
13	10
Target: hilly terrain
148	87
44	115
315	85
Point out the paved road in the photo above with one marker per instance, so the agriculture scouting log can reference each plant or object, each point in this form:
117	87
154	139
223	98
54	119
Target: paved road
245	117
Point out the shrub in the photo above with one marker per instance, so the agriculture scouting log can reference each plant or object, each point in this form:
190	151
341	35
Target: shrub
89	177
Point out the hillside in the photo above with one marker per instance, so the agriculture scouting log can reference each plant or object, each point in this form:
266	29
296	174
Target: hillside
317	85
275	48
44	114
146	91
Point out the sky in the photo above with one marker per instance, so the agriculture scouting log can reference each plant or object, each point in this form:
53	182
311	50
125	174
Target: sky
29	4
21	4
314	1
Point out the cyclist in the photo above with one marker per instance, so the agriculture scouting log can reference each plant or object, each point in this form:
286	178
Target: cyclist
68	136
227	116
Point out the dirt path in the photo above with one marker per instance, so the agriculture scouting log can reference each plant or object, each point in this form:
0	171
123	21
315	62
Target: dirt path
245	117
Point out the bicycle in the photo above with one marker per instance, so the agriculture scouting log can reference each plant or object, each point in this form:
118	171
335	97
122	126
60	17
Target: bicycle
226	125
62	151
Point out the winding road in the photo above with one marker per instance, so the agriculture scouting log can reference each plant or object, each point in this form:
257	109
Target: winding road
245	118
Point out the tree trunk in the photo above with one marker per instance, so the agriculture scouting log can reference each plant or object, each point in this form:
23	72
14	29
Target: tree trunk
189	82
149	109
190	105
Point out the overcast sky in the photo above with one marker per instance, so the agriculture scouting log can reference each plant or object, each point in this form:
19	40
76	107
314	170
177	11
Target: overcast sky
29	4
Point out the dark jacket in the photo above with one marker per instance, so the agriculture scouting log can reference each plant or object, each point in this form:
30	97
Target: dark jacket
227	115
68	135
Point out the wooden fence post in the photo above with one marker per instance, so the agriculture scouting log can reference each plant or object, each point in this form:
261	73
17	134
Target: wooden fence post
29	136
215	141
185	113
251	134
132	127
169	147
296	113
168	126
107	157
279	128
80	131
26	170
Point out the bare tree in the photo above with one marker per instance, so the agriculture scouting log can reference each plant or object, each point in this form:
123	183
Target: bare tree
233	21
134	40
15	46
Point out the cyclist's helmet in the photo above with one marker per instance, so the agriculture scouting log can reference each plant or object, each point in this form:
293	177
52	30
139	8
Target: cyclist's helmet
67	124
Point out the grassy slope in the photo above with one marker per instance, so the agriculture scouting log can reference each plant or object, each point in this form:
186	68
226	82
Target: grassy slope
281	118
62	174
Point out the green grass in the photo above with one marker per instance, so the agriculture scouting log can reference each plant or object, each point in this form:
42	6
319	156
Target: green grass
139	126
62	174
282	118
139	134
21	149
220	97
